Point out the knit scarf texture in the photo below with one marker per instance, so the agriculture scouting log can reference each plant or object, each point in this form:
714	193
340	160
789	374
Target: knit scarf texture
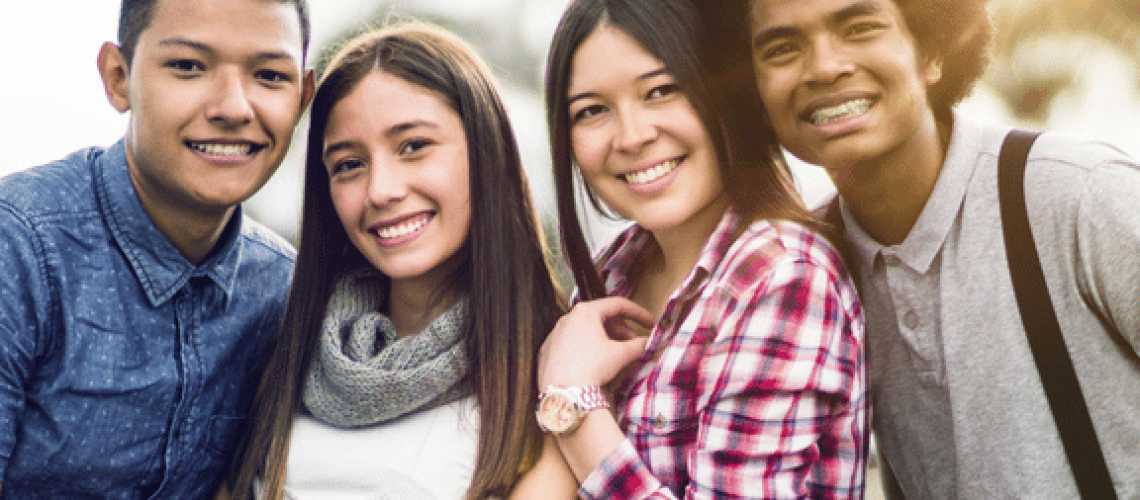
363	374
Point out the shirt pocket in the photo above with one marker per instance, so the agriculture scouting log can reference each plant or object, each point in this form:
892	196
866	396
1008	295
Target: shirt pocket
661	420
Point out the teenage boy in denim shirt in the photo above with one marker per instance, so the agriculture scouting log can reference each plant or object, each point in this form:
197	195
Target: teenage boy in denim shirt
137	299
866	89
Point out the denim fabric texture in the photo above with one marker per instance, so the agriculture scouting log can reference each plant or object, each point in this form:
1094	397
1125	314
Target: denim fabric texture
125	371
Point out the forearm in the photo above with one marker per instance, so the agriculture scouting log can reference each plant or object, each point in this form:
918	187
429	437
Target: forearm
587	446
550	478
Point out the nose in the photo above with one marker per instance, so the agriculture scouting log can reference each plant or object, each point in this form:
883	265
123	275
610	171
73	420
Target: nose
635	129
386	184
828	62
231	104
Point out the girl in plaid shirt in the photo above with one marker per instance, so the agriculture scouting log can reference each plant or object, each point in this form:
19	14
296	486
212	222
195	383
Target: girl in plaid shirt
750	382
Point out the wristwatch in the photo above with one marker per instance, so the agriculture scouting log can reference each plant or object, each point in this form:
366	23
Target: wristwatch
561	409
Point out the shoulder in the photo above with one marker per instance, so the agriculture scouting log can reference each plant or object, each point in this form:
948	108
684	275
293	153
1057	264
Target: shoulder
1067	171
772	254
1059	154
60	187
765	245
264	246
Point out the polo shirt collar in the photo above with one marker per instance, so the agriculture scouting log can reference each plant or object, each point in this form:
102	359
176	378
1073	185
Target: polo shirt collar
159	267
933	226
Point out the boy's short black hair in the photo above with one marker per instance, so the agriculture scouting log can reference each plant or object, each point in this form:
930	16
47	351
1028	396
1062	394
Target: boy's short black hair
135	16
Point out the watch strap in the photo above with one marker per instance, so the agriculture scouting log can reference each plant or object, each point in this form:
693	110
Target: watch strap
590	398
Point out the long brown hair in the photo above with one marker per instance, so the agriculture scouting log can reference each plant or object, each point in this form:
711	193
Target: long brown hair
512	300
724	96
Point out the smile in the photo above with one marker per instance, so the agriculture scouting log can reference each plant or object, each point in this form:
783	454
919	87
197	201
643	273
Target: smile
227	149
402	229
848	109
652	173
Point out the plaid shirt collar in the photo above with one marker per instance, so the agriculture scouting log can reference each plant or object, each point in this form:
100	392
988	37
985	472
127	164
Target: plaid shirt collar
621	263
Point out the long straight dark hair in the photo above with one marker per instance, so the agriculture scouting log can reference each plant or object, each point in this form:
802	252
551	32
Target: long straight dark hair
723	93
513	301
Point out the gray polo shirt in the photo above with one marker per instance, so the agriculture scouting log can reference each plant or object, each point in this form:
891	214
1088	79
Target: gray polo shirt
959	408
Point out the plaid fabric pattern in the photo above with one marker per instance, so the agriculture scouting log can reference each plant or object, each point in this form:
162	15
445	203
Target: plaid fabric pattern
752	384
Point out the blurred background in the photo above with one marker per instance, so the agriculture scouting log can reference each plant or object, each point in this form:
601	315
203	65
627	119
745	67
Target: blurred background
1066	65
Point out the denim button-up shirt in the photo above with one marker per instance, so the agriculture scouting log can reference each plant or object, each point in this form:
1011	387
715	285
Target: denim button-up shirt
125	371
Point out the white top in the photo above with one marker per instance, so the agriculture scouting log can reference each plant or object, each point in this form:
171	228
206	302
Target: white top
422	456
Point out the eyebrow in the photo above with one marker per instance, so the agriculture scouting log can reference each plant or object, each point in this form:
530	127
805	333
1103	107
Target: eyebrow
391	132
201	47
838	17
644	76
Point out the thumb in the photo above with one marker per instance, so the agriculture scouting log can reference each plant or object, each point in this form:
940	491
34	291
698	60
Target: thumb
621	307
632	347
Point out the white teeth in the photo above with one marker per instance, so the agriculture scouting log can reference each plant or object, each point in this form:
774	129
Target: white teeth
652	174
845	110
403	229
223	149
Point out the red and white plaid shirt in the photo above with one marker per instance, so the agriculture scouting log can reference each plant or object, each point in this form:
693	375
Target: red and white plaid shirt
752	384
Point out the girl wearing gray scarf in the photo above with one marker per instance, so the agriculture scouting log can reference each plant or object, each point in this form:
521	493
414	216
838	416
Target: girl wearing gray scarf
421	287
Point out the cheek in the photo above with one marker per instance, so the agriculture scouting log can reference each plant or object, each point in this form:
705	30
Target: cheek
347	202
588	150
464	223
161	103
281	113
775	91
458	195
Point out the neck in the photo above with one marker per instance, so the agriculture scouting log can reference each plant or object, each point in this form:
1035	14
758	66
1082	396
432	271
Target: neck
676	251
193	229
414	302
886	195
193	233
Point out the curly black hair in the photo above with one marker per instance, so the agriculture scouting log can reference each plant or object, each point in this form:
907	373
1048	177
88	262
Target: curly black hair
958	31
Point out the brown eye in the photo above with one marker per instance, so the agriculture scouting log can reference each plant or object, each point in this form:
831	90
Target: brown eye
588	112
663	91
271	76
414	146
345	165
185	65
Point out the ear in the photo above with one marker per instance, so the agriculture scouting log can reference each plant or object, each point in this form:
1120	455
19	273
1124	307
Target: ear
932	70
116	77
309	88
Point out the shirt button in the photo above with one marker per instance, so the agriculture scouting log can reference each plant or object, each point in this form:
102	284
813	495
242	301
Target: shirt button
910	319
891	260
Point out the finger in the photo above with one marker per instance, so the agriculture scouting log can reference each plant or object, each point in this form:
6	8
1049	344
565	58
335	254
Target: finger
632	348
610	307
625	328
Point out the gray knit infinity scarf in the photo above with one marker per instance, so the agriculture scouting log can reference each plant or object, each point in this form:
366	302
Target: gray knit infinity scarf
362	374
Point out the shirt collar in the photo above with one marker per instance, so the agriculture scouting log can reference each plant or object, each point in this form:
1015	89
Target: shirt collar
159	267
622	261
933	226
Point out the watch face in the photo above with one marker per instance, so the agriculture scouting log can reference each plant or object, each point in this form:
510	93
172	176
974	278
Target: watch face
557	414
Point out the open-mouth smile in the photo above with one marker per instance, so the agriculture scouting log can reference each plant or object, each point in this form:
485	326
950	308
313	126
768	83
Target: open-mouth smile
402	228
648	175
225	149
849	109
